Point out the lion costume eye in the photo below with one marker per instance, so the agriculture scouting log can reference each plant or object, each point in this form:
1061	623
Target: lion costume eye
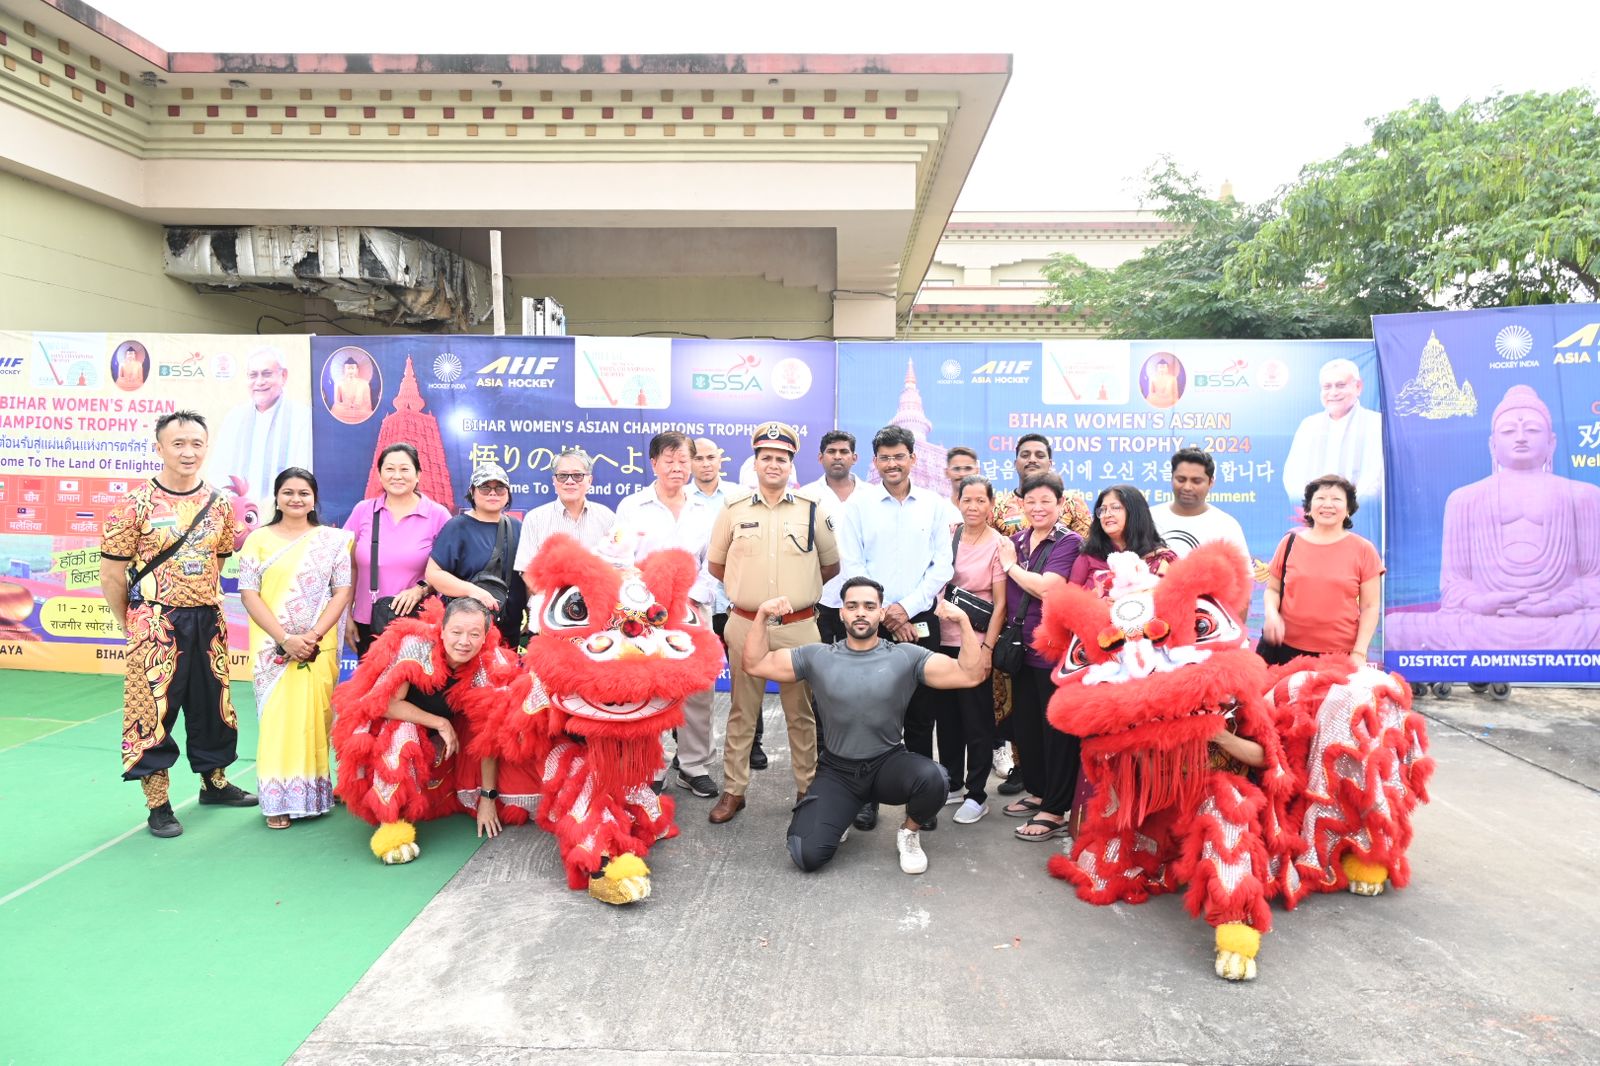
1213	624
566	610
692	616
1075	661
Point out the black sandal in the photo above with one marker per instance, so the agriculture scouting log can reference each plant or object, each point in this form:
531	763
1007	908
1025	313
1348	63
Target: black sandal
1055	829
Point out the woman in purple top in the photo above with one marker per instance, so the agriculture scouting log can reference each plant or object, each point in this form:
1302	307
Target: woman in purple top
410	522
1036	560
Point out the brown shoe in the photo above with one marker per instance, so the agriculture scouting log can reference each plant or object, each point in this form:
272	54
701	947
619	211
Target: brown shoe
728	806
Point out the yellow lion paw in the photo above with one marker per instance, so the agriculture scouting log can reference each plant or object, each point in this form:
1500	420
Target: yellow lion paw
625	879
1364	878
1237	945
395	843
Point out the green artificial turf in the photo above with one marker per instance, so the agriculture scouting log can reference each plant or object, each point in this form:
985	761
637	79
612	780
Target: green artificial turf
227	944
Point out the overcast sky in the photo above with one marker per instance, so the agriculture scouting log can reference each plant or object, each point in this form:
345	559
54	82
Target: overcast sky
1246	91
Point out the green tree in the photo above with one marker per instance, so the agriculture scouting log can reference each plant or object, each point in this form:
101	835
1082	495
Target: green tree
1178	289
1495	202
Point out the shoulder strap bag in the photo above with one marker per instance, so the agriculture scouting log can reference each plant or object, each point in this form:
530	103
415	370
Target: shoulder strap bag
1009	649
136	578
978	610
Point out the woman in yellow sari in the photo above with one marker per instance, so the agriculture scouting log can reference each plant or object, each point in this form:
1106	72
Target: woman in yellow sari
294	581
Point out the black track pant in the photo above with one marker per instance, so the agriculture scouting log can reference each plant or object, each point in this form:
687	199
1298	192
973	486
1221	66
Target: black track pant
177	661
843	785
1050	758
963	719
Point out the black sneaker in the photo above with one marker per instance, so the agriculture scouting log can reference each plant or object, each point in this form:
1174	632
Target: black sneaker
758	758
700	784
867	816
163	823
1012	785
229	795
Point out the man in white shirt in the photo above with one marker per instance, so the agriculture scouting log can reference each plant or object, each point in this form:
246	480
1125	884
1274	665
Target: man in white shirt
270	433
571	512
899	535
832	490
664	515
1189	521
1343	438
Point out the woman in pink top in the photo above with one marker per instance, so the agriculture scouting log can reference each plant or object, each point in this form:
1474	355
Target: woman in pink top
964	718
409	523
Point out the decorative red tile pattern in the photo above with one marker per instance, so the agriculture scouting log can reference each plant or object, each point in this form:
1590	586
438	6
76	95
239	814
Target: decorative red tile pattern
488	112
369	112
330	112
173	110
808	113
291	112
212	111
449	112
527	112
251	111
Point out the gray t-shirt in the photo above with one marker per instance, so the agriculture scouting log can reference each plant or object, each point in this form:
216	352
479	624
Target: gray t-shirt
861	695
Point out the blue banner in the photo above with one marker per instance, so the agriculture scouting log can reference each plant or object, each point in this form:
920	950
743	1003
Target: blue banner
518	401
1115	411
1493	434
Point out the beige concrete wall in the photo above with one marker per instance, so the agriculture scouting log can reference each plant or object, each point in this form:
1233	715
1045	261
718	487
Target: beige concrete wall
68	264
711	307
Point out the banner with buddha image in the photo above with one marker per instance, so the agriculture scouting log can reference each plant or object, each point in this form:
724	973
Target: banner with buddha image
1493	437
77	430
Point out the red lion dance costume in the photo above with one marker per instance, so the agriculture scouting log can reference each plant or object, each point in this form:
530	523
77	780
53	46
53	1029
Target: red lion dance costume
1147	678
614	653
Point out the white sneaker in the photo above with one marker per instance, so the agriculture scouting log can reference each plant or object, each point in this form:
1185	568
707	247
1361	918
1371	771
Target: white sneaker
954	797
844	835
970	812
1002	761
912	859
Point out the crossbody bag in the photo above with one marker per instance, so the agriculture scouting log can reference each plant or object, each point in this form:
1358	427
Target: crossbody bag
978	610
1009	649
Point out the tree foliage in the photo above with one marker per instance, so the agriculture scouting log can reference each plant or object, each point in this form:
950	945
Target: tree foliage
1178	290
1496	202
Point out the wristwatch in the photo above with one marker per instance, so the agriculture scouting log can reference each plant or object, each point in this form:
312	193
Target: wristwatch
489	793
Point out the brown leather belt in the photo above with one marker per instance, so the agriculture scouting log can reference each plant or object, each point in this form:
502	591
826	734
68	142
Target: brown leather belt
792	616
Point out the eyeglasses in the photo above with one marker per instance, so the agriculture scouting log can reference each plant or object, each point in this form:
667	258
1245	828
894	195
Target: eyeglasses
1112	508
493	488
571	479
898	457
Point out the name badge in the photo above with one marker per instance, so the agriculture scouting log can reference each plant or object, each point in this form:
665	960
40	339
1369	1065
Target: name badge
193	567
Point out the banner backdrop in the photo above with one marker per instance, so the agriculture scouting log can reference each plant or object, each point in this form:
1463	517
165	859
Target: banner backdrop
1494	444
77	428
1115	411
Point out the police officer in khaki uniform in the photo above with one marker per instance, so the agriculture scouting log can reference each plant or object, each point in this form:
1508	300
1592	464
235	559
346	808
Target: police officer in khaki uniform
770	542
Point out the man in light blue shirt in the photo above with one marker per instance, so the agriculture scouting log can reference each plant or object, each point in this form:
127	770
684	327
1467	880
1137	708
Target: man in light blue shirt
899	535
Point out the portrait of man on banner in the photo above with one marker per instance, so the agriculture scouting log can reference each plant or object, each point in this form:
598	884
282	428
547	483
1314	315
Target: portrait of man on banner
265	434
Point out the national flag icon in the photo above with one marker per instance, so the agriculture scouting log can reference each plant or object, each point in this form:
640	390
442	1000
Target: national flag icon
66	486
34	483
84	514
27	512
117	486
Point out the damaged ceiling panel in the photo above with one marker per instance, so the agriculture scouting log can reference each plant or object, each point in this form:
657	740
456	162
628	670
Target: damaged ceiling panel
365	272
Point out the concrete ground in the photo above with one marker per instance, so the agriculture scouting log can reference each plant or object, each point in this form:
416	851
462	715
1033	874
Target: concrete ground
1489	957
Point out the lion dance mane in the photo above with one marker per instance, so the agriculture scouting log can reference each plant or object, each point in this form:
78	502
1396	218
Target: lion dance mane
576	729
1147	678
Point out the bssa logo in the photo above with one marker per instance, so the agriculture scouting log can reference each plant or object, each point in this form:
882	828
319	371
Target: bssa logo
192	366
1231	376
740	377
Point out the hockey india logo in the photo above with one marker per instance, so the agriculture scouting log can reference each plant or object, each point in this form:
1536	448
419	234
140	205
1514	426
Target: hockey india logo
1513	342
446	367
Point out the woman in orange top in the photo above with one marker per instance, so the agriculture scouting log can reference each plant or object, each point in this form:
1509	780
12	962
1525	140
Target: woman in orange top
1325	584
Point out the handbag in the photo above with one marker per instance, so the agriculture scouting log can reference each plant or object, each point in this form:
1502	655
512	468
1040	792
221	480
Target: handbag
1278	654
492	578
383	611
1009	649
136	578
978	610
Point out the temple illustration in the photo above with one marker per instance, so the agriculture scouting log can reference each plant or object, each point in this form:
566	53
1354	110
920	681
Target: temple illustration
408	425
1433	393
928	469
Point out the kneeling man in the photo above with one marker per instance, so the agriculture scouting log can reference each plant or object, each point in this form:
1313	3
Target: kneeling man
862	686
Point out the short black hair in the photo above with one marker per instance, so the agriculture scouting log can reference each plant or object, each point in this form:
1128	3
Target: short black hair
669	440
961	449
1331	481
860	580
893	436
975	479
410	451
1047	480
1196	456
181	416
1050	453
309	478
834	436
